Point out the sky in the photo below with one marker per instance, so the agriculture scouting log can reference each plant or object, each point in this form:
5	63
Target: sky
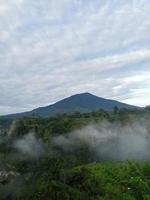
51	49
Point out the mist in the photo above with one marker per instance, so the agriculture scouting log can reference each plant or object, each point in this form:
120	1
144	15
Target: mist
96	142
109	141
30	146
105	141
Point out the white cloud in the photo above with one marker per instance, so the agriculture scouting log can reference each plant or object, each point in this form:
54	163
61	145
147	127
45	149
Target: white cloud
97	46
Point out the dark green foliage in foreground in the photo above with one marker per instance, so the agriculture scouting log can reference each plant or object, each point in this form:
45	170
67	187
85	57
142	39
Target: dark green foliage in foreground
94	182
118	181
60	175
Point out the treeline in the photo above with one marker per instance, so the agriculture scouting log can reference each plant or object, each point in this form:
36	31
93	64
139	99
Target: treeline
63	123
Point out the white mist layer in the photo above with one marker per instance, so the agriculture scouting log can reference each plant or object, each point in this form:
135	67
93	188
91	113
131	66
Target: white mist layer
110	141
30	146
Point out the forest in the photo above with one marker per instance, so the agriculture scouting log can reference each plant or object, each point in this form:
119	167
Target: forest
93	156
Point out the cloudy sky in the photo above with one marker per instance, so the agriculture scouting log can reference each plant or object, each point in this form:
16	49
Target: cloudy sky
51	49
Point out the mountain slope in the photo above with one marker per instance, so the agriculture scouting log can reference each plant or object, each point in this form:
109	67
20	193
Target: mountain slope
84	103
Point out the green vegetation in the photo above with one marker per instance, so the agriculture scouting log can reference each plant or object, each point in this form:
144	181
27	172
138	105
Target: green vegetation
34	167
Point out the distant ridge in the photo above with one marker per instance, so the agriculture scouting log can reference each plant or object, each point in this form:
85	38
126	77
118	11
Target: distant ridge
84	102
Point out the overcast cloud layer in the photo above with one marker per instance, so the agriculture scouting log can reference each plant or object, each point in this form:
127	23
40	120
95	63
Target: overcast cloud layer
50	49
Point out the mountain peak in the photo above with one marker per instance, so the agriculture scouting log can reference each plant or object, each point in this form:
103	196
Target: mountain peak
86	93
83	102
83	94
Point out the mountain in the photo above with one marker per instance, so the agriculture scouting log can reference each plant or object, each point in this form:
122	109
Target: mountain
83	103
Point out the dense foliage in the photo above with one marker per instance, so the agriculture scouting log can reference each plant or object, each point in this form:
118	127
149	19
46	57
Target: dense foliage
36	168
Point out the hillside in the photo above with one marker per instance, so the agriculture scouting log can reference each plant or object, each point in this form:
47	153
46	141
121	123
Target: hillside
83	103
77	157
